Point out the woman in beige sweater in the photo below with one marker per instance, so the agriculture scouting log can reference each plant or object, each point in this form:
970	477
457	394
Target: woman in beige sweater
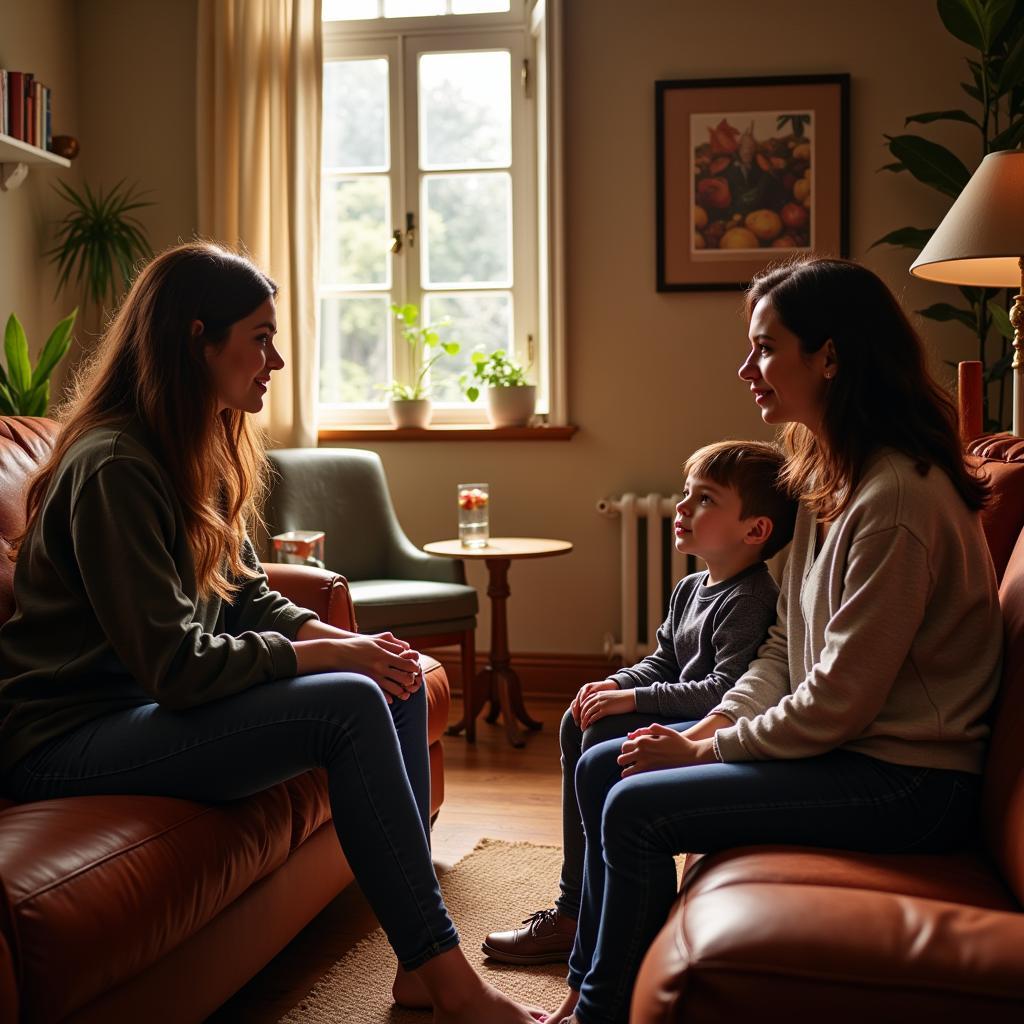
861	724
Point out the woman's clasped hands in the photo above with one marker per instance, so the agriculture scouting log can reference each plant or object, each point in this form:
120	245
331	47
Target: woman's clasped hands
655	747
391	663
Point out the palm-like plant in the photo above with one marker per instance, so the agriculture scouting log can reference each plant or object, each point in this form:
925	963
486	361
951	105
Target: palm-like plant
100	241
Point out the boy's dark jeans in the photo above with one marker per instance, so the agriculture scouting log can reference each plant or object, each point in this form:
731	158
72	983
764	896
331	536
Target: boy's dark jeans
574	741
377	766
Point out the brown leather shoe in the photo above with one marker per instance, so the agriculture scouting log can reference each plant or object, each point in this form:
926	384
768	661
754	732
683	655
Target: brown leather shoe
546	939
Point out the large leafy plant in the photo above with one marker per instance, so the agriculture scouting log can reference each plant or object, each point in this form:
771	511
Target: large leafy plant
99	242
995	30
24	389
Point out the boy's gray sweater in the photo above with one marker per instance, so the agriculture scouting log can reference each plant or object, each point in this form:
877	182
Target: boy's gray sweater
706	643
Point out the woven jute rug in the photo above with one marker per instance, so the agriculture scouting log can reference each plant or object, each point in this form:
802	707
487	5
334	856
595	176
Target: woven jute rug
494	887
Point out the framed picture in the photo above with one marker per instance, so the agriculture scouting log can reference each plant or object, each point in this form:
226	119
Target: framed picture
749	170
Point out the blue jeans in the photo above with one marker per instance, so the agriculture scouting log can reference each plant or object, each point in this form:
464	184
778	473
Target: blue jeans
635	826
377	766
574	741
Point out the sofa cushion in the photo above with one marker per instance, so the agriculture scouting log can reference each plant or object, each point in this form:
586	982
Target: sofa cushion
815	952
99	888
391	604
966	877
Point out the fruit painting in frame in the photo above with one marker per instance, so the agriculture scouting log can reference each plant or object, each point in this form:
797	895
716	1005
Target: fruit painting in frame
749	171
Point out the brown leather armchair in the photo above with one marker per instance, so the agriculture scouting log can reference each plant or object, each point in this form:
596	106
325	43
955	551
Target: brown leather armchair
127	908
796	934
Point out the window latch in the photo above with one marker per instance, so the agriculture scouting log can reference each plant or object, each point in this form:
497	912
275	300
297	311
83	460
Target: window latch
410	229
396	241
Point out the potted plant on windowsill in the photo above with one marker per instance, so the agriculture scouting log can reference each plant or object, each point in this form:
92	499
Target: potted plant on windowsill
409	404
511	398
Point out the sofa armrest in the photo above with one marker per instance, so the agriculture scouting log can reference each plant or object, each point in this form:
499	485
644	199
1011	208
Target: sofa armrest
828	953
323	592
8	984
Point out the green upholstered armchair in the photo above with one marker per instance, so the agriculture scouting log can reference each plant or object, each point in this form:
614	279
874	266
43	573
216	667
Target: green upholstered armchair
395	586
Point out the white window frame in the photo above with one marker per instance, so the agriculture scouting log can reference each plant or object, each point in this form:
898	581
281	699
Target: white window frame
531	32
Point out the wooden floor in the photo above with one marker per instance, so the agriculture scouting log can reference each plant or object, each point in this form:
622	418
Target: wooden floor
492	790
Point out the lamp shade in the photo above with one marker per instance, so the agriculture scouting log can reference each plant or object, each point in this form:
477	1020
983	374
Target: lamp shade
981	238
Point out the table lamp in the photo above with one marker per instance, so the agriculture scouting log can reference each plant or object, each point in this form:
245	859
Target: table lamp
980	242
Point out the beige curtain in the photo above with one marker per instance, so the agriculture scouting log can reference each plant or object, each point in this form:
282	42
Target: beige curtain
260	68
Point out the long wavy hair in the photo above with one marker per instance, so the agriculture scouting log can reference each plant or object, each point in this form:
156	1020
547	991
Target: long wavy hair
150	368
882	394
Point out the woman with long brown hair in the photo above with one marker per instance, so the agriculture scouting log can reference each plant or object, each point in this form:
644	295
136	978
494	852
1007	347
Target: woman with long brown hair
147	654
861	724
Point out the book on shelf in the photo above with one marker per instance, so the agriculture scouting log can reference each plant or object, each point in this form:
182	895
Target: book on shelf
25	108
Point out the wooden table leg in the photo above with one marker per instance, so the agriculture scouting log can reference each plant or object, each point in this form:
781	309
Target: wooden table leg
507	690
475	694
498	682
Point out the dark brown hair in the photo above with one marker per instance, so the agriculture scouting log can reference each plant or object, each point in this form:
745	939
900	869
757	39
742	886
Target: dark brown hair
882	394
150	368
753	469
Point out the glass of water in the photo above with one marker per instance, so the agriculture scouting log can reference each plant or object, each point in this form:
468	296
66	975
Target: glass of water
474	502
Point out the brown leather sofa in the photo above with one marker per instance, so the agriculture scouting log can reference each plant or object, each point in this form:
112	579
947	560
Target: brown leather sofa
785	933
127	909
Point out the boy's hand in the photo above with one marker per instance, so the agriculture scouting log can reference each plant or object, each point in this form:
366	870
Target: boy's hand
606	702
655	747
585	691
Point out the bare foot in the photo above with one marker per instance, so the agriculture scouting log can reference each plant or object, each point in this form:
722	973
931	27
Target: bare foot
564	1013
491	1006
410	992
461	996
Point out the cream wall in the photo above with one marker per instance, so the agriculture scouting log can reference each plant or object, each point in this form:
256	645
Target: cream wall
652	375
37	37
137	66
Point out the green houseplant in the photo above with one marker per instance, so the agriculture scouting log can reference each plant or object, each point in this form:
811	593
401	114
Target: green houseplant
24	388
995	30
410	404
511	398
99	242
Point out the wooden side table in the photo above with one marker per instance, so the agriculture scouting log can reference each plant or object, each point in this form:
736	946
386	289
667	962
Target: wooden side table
498	682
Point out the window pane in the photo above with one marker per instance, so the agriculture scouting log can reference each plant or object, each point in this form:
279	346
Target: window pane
479	6
349	10
356	115
353	349
465	109
354	238
477	320
467	230
412	8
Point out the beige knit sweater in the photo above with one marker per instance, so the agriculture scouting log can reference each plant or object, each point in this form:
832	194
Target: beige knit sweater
888	641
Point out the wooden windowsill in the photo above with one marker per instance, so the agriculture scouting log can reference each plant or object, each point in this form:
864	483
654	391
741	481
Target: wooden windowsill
447	432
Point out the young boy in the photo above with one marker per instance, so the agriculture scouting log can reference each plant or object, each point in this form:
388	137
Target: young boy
734	514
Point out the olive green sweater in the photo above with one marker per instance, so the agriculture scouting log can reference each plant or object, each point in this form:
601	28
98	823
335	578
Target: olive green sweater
888	640
106	611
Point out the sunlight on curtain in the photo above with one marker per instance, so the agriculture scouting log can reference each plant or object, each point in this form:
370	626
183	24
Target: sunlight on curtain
260	71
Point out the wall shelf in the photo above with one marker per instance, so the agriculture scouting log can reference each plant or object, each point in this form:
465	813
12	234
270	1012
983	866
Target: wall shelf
16	156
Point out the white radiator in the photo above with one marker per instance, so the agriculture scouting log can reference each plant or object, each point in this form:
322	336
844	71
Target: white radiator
651	566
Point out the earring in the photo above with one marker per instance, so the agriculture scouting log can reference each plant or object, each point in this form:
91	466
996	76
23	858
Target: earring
829	374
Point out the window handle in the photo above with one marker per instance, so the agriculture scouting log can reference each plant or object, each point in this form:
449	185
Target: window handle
410	229
396	241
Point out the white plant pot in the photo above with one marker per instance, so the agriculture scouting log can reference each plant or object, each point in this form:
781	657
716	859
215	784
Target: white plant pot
410	412
511	407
